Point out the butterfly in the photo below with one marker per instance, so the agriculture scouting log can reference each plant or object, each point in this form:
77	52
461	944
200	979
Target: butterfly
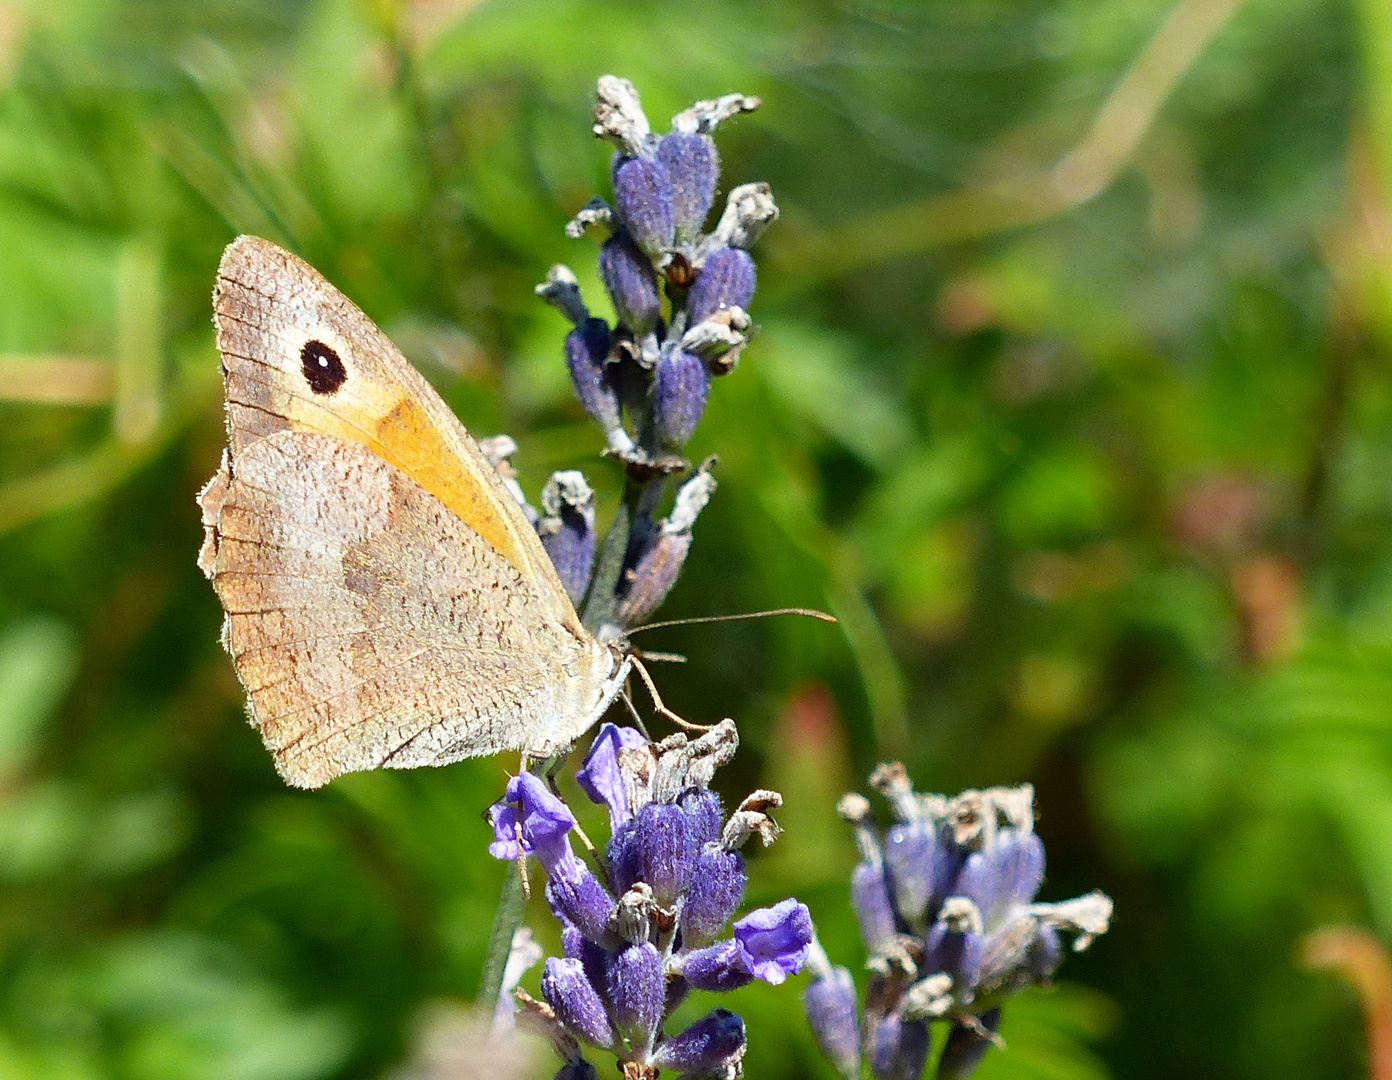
388	603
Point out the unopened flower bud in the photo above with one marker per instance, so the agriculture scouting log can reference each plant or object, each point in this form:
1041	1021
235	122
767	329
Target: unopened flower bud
919	864
726	280
657	569
577	1004
899	1049
653	577
1003	878
703	807
637	991
717	887
693	169
870	898
632	283
965	1046
587	357
680	390
666	851
830	1003
576	894
566	528
712	1041
643	198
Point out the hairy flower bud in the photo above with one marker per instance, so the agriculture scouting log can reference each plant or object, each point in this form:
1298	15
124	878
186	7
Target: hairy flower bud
580	898
643	198
637	991
693	169
566	528
661	561
666	852
727	280
830	1003
1004	878
587	358
919	865
577	1004
712	1041
899	1048
717	887
680	389
870	898
629	276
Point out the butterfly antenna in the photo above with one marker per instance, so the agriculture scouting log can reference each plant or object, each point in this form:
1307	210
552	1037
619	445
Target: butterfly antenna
657	700
662	657
812	613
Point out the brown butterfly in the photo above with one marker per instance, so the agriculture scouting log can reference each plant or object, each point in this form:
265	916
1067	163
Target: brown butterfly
388	603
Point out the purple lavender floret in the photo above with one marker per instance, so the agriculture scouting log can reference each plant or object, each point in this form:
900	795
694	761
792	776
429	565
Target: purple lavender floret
566	528
680	390
601	777
587	359
661	927
643	198
727	280
629	277
693	170
947	908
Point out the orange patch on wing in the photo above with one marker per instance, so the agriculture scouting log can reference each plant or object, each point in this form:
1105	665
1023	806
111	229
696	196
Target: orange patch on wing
407	439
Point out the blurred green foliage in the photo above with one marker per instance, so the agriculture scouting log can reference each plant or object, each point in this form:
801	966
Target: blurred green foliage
1092	461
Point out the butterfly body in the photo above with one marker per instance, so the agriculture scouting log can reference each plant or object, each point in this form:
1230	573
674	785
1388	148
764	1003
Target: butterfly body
388	603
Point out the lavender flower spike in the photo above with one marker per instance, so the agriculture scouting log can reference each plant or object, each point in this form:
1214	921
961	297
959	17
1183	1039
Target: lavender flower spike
652	922
673	862
958	933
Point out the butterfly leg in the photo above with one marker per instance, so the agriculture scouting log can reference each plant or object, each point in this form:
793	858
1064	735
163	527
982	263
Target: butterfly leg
633	712
657	700
521	852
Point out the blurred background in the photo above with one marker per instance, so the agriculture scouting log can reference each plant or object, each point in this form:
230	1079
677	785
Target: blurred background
1072	399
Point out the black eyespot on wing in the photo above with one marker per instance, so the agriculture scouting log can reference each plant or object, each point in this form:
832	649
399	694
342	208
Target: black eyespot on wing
322	367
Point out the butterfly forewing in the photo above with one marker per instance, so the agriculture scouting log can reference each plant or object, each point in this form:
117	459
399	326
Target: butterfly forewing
388	603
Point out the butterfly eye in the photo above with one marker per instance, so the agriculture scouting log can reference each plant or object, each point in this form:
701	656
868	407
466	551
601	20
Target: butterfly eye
323	368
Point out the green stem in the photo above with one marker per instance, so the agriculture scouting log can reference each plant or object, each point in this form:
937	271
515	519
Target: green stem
511	906
605	583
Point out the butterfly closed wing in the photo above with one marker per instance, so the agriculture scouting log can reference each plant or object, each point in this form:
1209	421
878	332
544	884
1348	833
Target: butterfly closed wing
388	603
